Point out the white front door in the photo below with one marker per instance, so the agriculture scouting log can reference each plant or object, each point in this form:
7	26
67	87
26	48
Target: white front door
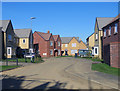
9	52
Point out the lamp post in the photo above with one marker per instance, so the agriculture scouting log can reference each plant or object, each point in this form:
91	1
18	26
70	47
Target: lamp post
31	49
31	21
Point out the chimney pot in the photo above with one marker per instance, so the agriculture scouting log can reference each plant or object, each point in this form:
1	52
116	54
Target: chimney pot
48	31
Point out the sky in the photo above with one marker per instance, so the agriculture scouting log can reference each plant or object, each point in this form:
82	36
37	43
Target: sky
67	19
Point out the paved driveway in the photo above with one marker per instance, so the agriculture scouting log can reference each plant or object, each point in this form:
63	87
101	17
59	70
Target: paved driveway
58	73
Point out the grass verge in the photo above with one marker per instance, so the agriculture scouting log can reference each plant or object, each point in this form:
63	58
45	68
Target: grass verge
64	56
3	67
102	67
28	60
93	59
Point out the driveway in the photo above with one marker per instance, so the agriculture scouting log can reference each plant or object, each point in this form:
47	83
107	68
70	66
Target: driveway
58	73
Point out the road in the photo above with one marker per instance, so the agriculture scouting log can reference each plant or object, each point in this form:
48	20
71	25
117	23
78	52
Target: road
58	73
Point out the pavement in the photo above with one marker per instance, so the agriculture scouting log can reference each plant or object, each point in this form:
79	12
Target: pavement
58	73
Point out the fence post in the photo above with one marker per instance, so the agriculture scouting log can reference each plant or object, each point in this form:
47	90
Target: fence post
6	62
25	60
17	61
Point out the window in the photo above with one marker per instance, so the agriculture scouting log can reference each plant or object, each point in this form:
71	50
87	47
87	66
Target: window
95	50
9	38
9	50
51	52
104	32
73	44
115	28
23	40
73	51
66	45
58	43
109	30
96	36
51	43
58	52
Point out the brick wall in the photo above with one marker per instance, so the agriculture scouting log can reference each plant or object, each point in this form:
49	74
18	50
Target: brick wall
114	54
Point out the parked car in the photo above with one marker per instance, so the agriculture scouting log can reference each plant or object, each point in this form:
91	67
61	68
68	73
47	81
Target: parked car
29	55
84	53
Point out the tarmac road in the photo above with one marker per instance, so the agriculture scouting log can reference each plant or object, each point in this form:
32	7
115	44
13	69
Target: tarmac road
58	73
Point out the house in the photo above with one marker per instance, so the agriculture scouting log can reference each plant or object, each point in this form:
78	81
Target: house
9	39
98	33
91	42
1	43
111	42
44	44
25	39
70	45
57	45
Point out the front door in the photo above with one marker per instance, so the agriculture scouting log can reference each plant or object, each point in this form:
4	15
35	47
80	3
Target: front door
9	52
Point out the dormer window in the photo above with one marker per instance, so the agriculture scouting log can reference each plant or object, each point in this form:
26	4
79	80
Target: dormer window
116	28
104	32
109	32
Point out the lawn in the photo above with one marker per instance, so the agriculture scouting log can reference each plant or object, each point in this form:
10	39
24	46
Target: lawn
3	67
28	60
102	67
93	59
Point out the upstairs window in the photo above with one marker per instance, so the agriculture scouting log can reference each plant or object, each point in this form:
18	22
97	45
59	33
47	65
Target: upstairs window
116	28
9	37
66	45
109	30
58	43
51	43
104	32
23	41
73	44
96	36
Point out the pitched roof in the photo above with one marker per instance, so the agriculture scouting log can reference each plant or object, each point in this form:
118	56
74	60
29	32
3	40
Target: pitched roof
45	36
4	24
102	21
22	33
114	19
68	39
55	37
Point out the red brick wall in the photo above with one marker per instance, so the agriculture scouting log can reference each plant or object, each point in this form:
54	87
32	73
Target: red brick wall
56	45
111	49
50	47
44	45
114	54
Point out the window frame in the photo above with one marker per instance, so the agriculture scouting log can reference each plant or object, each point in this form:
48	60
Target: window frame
116	28
9	48
74	44
50	52
96	37
23	41
104	32
51	42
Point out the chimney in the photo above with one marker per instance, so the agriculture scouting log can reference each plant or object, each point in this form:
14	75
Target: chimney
48	31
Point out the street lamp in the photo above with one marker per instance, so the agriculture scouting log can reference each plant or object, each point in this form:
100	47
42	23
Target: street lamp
31	48
31	20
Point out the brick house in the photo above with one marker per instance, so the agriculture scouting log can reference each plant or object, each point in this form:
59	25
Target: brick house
57	45
43	44
111	42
